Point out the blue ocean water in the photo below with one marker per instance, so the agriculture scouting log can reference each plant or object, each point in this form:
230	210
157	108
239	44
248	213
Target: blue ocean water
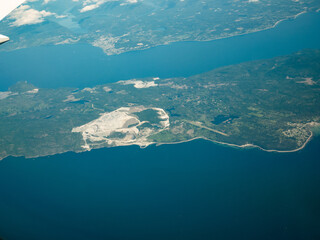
86	66
195	190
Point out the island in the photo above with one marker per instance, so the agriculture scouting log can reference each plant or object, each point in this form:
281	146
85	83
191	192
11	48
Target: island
271	104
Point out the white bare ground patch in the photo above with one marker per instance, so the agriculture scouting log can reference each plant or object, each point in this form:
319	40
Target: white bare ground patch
122	92
4	95
107	89
121	128
308	81
68	41
90	90
71	98
139	83
33	91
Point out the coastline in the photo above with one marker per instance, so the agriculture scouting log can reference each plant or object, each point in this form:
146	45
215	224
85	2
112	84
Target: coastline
222	143
244	146
214	38
177	41
288	18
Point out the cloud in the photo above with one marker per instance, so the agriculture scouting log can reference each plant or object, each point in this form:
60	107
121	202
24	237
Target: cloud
24	15
47	1
44	1
89	5
93	4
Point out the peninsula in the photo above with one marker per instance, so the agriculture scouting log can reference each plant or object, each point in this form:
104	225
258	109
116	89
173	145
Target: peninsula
271	104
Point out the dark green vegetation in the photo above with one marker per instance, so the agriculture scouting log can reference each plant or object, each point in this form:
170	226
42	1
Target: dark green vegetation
120	26
149	115
270	103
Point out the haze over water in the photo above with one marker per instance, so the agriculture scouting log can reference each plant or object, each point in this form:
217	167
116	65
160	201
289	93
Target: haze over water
195	190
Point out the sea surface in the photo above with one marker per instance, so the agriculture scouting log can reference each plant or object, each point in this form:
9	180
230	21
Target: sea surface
86	66
195	190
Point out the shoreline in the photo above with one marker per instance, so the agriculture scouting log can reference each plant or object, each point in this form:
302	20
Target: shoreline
244	146
292	17
288	18
172	42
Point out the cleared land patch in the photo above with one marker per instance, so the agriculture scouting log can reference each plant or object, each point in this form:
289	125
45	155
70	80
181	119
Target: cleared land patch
124	126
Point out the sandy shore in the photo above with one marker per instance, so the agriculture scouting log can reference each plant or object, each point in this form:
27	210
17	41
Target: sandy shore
294	17
243	146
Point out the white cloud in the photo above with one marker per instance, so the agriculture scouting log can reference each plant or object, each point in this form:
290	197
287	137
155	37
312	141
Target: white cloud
44	1
47	1
93	4
128	2
89	5
24	15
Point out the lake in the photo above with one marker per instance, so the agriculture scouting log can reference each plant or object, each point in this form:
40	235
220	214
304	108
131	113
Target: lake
194	190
